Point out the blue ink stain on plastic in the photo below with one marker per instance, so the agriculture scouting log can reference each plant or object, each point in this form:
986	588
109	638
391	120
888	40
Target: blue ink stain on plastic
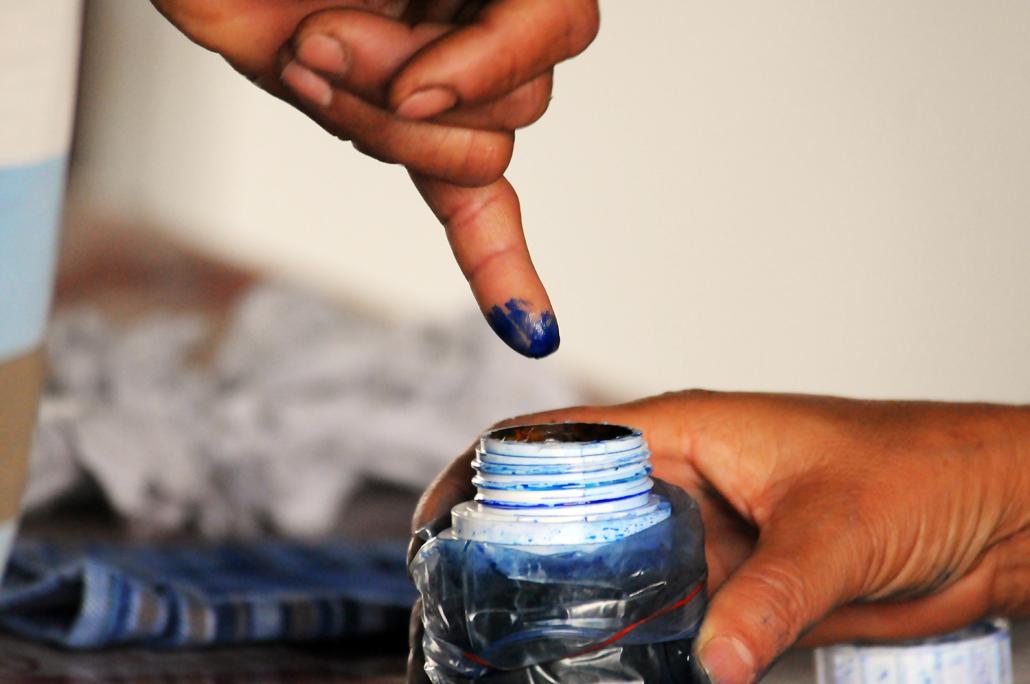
532	335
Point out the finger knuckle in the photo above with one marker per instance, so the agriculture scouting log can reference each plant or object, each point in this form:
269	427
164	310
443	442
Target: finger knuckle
591	23
322	21
371	150
695	393
535	103
484	160
465	219
582	24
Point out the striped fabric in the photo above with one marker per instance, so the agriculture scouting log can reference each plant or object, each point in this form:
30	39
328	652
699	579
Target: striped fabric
173	597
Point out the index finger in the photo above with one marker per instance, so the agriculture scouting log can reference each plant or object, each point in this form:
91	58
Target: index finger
484	227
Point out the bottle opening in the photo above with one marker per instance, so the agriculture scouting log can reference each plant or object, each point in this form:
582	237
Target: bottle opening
561	432
560	483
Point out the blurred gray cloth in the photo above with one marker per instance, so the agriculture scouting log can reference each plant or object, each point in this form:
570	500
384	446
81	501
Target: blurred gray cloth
302	400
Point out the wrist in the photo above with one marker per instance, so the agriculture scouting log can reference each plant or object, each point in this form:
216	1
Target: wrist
1010	440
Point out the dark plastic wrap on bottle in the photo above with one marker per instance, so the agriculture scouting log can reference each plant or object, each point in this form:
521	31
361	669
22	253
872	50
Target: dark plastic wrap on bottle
623	611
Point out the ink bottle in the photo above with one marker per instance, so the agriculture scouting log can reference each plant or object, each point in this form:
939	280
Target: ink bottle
571	564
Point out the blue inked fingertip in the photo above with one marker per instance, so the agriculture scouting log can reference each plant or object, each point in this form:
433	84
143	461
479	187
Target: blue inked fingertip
531	334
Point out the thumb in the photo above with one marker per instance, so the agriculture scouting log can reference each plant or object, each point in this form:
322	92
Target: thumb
788	584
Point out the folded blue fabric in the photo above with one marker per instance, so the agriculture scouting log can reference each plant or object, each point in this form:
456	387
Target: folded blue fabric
95	595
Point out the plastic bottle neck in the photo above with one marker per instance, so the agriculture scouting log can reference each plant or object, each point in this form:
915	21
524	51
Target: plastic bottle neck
560	483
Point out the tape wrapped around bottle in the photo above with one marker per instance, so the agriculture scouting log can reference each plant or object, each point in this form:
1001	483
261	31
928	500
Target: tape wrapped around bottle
622	611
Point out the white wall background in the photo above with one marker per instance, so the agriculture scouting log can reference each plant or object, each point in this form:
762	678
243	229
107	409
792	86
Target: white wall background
800	195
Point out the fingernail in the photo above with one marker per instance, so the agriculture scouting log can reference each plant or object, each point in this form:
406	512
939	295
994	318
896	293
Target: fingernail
427	102
727	661
531	334
308	85
323	54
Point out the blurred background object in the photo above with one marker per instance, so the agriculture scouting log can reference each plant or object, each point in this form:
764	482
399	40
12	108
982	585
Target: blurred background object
267	418
794	197
39	46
